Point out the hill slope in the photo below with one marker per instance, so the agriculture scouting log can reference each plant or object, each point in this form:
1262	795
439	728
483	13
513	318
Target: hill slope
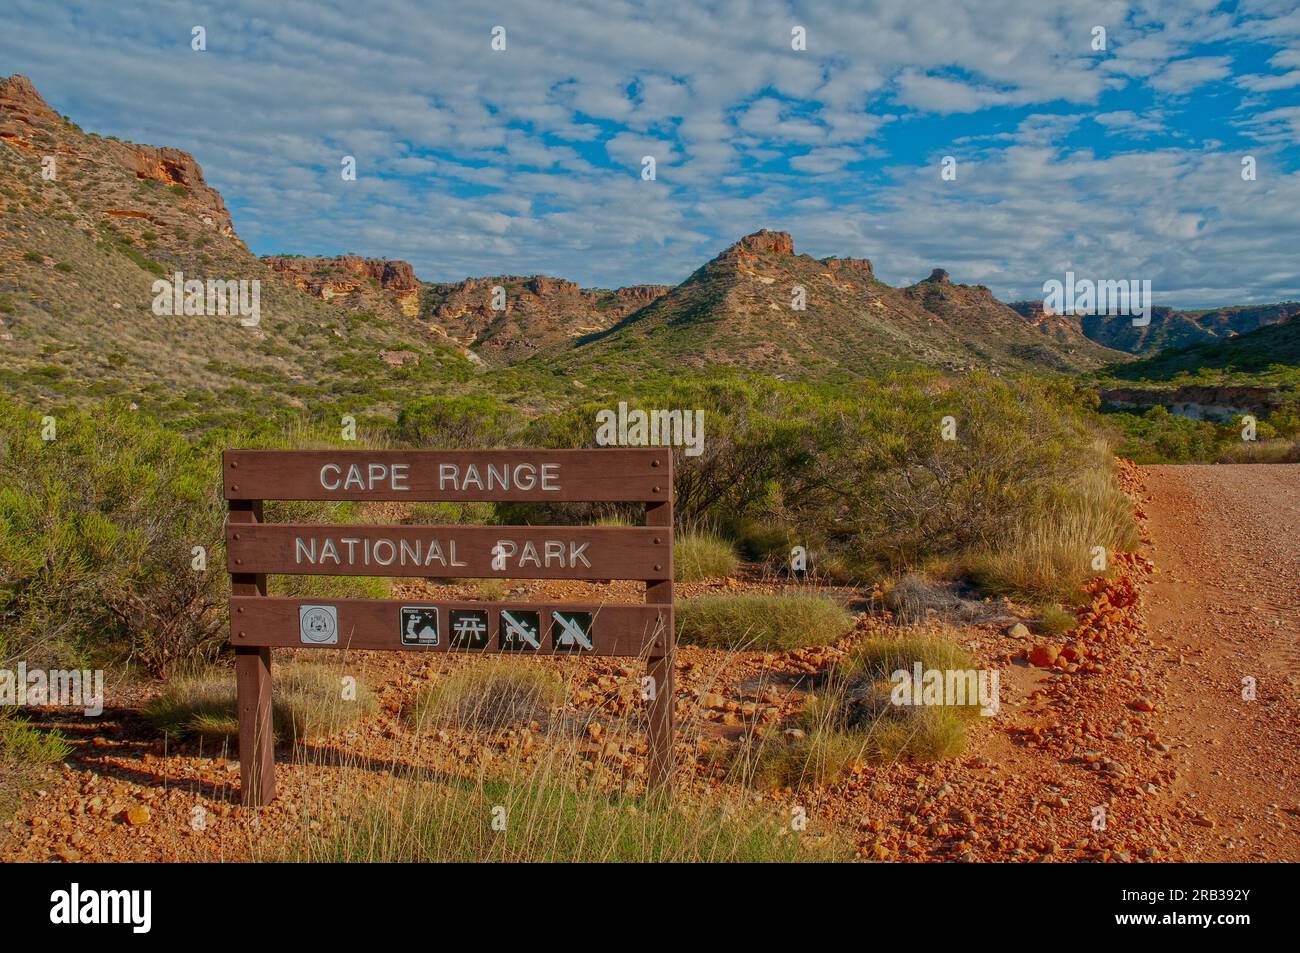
1270	350
1169	327
738	310
80	252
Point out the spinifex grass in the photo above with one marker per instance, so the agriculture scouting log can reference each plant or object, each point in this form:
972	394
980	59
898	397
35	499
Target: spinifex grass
852	720
554	785
759	622
308	701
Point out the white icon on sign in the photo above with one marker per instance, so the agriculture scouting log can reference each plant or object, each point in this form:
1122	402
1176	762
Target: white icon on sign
318	625
469	629
419	625
498	558
570	632
519	630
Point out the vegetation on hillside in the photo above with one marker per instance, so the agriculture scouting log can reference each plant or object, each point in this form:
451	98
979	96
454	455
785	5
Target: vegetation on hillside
98	527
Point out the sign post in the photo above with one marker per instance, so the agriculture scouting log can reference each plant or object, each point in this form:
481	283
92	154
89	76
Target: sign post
254	548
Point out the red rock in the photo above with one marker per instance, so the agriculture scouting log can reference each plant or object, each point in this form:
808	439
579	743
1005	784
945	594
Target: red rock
1043	655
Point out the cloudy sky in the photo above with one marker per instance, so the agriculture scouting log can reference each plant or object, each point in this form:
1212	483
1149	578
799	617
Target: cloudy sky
1117	162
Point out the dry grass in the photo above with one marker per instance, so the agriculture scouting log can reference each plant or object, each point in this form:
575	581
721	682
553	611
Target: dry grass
761	622
698	556
565	788
1050	554
547	821
308	701
24	752
494	693
853	720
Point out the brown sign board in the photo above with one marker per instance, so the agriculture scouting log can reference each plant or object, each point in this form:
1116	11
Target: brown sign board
540	628
469	552
255	549
556	476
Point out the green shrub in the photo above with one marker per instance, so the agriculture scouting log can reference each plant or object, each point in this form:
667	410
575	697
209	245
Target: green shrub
456	422
97	529
698	556
758	622
1055	621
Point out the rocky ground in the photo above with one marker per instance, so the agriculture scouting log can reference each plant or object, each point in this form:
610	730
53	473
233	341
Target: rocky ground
1126	740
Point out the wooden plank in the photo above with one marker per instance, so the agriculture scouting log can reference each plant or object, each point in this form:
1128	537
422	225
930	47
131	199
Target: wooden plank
526	552
661	730
613	474
253	683
379	624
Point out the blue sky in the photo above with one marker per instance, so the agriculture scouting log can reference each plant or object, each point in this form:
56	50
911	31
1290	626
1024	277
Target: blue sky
1115	163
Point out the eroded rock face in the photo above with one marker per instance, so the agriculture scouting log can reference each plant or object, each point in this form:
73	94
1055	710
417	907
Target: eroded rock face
313	274
764	242
849	267
1195	401
382	286
540	312
642	294
28	123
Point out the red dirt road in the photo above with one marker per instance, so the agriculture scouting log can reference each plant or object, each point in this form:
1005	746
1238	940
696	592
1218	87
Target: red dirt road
1223	607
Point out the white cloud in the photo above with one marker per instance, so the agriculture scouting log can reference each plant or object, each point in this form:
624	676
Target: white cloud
528	160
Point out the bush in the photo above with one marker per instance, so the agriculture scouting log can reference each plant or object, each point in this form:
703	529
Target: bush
307	702
1049	554
456	422
495	693
24	751
853	719
761	622
97	529
698	556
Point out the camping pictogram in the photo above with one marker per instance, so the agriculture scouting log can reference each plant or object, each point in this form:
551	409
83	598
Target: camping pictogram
419	625
469	628
571	631
520	630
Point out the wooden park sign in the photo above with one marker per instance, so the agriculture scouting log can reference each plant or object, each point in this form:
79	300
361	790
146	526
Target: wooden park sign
259	623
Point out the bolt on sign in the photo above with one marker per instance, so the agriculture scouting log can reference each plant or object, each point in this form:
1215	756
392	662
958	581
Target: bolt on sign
254	548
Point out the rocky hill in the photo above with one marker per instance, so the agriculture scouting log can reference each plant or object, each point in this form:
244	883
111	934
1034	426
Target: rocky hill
538	314
382	286
88	224
762	305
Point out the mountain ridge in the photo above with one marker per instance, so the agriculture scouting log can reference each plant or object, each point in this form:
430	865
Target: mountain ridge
135	212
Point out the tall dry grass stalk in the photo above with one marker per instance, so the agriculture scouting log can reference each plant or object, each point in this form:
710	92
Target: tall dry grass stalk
1051	550
490	764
